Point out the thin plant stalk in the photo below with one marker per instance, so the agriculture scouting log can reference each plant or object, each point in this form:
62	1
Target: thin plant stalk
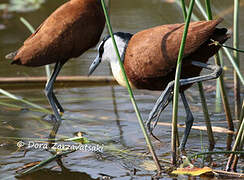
207	119
208	15
12	96
236	57
208	9
231	59
180	4
202	95
242	111
45	162
240	147
183	7
200	7
222	85
232	48
241	119
215	152
226	105
235	146
177	85
149	143
32	30
218	101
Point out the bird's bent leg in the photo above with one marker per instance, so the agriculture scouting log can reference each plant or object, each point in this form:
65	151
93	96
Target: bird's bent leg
167	94
217	70
159	106
53	133
49	91
60	108
188	122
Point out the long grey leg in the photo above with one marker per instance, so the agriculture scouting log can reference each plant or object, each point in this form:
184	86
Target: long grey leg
162	102
49	92
188	122
60	108
53	133
166	95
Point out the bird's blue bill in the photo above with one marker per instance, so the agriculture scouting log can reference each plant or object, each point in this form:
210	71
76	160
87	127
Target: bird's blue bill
94	65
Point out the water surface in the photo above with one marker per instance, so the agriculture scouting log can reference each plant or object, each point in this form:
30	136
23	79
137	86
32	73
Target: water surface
104	114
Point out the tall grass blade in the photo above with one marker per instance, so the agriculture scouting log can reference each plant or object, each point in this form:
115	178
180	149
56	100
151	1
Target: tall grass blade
45	162
236	57
222	85
12	96
235	146
200	7
183	7
177	84
130	91
236	68
231	59
207	118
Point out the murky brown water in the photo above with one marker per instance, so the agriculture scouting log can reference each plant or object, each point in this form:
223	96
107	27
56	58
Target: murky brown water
105	114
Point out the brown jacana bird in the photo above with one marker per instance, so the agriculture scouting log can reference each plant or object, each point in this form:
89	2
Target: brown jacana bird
68	32
150	56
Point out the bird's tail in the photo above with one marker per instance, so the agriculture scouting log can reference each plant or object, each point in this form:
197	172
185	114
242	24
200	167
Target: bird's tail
221	35
11	55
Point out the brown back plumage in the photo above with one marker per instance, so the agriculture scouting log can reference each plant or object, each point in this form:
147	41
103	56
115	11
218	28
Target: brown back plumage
68	32
151	54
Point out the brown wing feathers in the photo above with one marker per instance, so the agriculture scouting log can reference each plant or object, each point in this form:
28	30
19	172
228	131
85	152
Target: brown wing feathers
158	49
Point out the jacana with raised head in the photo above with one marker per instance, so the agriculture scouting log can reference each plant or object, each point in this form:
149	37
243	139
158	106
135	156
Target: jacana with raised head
150	58
68	32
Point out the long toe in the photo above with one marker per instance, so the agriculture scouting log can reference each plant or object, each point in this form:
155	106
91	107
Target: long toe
148	125
51	118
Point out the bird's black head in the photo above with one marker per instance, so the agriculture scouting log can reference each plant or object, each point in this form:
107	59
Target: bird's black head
106	50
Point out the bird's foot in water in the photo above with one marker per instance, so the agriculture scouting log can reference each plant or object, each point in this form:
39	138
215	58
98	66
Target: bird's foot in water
51	118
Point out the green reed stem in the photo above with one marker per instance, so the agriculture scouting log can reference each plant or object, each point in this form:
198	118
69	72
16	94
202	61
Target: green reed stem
218	94
236	57
202	10
183	7
12	96
222	85
231	59
203	101
32	30
225	104
207	118
202	95
193	16
177	84
208	9
218	101
242	111
235	146
234	49
45	162
215	152
28	25
241	119
149	143
209	16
